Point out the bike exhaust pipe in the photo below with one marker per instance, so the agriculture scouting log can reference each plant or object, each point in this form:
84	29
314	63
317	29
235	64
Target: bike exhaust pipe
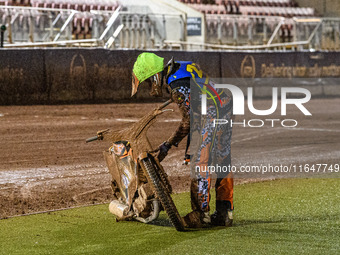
119	209
154	215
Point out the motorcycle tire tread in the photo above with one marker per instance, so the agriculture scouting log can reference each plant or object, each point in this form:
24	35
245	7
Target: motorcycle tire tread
163	195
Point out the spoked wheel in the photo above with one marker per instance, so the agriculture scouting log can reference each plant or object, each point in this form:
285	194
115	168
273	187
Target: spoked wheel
163	195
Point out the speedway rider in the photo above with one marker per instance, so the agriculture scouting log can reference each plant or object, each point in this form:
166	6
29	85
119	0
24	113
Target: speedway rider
176	76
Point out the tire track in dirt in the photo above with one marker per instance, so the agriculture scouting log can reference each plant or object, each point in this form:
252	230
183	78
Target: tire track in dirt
41	189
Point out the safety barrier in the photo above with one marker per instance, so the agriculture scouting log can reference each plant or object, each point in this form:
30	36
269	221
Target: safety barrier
68	75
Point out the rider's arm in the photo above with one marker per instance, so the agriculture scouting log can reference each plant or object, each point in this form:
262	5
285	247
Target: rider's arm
183	129
180	96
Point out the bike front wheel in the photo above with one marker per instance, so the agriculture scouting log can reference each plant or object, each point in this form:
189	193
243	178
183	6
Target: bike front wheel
163	195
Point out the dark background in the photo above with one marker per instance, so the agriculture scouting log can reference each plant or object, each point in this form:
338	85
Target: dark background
53	76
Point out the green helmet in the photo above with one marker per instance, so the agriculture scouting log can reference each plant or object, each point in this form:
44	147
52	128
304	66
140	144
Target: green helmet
146	65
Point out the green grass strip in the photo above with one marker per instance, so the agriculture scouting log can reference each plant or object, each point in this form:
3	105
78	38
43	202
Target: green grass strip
295	216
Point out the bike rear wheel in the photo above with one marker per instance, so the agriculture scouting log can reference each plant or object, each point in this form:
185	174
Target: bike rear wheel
163	195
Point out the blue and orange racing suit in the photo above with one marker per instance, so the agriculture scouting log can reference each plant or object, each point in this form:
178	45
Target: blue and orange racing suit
215	144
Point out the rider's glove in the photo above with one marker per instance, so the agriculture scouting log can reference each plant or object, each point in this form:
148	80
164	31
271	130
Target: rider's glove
163	150
186	159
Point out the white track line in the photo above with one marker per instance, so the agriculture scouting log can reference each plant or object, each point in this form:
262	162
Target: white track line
314	129
299	147
135	120
246	134
266	132
257	136
127	120
75	197
53	210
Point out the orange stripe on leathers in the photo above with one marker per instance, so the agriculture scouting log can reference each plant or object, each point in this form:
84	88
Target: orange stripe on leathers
225	191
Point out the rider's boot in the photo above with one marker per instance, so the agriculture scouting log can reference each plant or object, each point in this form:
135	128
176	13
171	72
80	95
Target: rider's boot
196	219
223	216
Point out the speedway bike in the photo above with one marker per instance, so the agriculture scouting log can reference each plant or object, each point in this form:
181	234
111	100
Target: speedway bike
141	187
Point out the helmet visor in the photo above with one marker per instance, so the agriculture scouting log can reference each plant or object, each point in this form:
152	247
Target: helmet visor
135	84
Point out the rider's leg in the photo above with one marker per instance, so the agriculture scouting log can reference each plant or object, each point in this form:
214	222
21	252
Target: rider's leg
200	193
224	193
224	198
225	183
200	198
225	186
201	181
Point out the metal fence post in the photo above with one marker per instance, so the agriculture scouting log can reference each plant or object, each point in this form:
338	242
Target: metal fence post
337	34
264	30
219	30
31	27
95	32
295	34
3	29
9	28
164	28
235	32
250	31
152	36
50	21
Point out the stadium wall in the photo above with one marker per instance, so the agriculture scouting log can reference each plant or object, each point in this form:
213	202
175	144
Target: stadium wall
53	76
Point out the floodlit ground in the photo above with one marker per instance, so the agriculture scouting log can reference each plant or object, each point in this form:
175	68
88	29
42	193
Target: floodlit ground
291	216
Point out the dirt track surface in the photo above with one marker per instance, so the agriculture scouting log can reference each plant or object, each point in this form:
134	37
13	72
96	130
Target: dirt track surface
45	163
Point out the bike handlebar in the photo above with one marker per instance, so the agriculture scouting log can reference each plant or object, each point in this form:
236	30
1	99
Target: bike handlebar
91	139
101	133
165	104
